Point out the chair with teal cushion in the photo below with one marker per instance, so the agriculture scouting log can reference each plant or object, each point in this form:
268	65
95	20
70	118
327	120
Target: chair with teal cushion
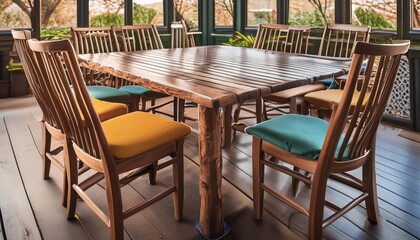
337	149
139	38
98	40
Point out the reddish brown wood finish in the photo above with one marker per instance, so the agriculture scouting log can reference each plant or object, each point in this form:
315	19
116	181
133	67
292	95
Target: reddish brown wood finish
214	77
356	126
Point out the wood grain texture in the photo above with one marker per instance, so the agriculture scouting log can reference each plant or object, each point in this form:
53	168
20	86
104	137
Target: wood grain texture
215	76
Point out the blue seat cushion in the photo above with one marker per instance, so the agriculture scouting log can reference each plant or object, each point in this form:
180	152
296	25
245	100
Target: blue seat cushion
329	83
141	91
109	94
298	134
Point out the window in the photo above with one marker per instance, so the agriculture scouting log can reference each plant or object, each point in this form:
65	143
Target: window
223	12
106	13
57	17
12	15
187	10
261	11
416	15
148	11
315	13
379	14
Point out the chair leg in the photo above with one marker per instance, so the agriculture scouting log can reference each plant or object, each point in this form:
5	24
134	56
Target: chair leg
46	148
178	181
135	103
143	104
153	174
258	177
115	210
295	182
316	206
72	178
152	103
293	108
65	189
369	186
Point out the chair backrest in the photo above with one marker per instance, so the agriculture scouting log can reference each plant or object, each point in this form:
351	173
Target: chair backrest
355	135
59	67
40	89
270	36
338	40
297	39
179	38
283	38
137	37
93	40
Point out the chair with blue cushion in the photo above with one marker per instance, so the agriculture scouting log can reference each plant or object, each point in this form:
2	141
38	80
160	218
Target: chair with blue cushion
330	149
52	127
139	38
280	38
136	141
98	40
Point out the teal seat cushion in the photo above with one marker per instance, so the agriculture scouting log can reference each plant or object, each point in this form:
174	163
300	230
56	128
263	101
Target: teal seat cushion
109	94
298	134
141	91
329	83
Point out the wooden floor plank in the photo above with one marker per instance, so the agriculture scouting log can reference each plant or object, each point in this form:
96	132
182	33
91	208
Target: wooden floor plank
44	195
398	181
13	199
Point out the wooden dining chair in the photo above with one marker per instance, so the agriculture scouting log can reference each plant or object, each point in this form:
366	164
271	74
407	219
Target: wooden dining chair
139	38
330	149
282	38
338	41
52	126
181	36
146	139
91	40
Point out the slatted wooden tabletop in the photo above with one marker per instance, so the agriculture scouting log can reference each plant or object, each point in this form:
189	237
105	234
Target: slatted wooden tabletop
216	76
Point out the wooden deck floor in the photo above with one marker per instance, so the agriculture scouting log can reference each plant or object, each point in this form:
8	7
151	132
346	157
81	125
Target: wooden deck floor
31	206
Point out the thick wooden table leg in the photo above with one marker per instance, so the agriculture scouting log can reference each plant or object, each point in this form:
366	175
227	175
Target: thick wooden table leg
211	216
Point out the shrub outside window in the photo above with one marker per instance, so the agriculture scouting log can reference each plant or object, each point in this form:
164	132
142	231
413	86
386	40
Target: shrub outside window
314	13
261	11
379	14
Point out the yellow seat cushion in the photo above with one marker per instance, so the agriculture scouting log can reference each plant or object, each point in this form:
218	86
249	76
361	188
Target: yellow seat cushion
132	134
108	110
285	95
327	98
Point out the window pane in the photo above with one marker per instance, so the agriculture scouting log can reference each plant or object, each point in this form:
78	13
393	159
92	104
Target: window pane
56	19
148	11
379	14
187	10
416	14
310	12
12	16
224	12
106	13
261	11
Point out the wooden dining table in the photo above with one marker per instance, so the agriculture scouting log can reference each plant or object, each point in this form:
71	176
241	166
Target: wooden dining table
215	77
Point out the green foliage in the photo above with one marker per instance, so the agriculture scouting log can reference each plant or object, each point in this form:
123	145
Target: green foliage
142	14
240	40
14	66
313	19
55	33
107	19
262	17
373	19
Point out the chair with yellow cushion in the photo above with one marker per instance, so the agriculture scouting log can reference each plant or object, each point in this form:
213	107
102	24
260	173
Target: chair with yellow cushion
146	140
52	127
330	149
338	41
